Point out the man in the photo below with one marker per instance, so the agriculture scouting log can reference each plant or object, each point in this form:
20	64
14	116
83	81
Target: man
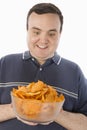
41	62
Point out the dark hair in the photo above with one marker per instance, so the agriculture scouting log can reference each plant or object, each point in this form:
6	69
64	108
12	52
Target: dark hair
43	8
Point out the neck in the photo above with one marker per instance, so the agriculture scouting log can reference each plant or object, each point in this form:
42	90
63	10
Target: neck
41	61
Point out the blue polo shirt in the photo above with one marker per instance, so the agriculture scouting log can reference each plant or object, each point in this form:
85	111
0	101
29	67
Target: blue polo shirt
64	75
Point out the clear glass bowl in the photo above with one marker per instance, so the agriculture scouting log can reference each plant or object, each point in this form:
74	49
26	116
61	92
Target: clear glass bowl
34	110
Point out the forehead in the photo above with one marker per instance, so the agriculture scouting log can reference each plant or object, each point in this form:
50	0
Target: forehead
48	21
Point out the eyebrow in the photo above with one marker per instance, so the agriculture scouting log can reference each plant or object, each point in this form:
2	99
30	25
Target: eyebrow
36	28
54	30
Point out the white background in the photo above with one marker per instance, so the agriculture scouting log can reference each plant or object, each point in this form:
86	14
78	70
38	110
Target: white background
74	36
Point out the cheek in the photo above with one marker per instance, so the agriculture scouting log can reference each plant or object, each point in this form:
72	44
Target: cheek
34	40
55	45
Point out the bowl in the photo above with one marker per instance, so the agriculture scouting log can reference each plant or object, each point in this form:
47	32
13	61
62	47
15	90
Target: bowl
34	110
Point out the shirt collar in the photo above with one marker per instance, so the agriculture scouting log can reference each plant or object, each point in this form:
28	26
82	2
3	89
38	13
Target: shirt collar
26	55
56	58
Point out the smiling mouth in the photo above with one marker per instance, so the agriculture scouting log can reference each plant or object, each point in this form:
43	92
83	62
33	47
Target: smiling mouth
41	47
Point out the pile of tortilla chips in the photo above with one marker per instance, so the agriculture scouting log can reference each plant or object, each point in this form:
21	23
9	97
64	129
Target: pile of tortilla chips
38	91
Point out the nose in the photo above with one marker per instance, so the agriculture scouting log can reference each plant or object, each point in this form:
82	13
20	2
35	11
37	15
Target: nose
44	38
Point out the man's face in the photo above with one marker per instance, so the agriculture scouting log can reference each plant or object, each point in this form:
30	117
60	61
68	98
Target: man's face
43	35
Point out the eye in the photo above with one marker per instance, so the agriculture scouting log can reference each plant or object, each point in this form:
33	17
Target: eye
51	34
36	32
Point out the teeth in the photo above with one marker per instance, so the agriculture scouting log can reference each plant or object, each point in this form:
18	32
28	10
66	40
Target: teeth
42	46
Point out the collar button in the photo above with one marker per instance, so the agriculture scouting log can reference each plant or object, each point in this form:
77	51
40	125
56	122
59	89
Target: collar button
32	59
40	69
